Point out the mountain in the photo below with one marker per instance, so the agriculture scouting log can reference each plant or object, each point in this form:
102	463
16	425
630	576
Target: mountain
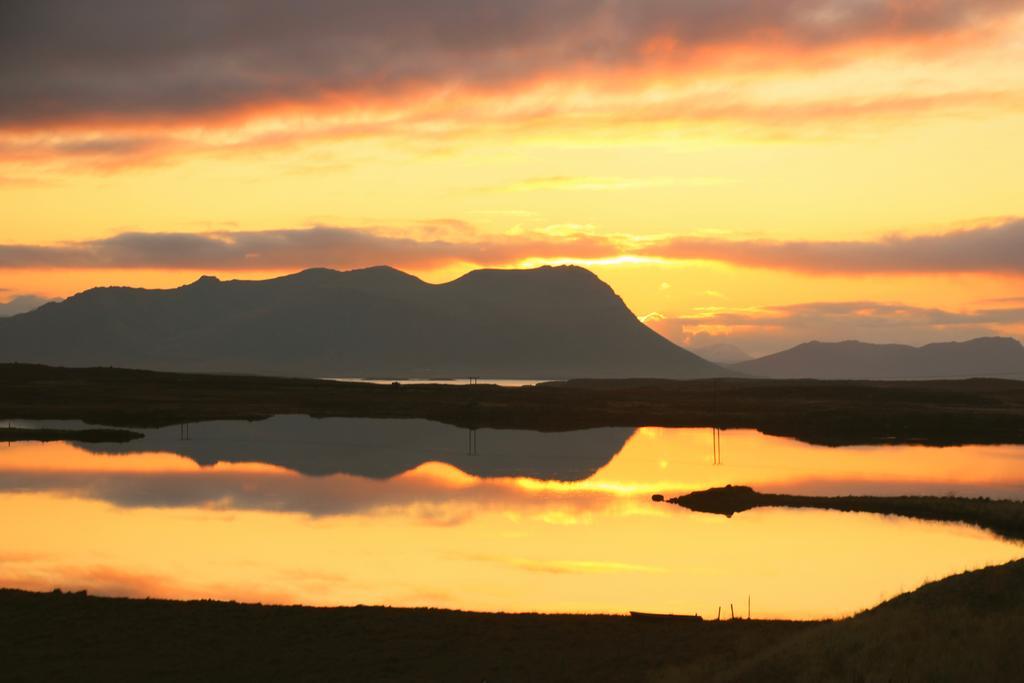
983	357
550	322
727	354
22	304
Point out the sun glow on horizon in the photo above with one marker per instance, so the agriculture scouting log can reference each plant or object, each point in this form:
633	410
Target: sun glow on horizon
769	157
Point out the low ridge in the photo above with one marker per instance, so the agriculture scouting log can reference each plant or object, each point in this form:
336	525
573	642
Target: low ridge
982	357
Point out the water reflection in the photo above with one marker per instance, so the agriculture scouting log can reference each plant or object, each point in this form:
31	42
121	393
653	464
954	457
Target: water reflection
443	380
381	449
401	513
647	460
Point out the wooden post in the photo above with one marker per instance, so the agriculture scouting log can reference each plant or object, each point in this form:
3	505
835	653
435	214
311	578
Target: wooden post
748	607
731	611
719	613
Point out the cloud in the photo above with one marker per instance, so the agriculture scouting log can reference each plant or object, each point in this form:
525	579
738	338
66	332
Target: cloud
65	61
985	249
1004	300
774	328
861	313
431	244
426	124
606	184
299	248
577	566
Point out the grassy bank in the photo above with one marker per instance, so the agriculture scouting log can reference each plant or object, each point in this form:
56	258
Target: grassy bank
822	412
75	637
968	627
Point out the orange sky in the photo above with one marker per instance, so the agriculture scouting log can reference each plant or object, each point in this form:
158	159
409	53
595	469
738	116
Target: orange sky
761	173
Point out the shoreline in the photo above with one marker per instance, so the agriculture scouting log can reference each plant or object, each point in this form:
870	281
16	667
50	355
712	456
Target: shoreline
1002	517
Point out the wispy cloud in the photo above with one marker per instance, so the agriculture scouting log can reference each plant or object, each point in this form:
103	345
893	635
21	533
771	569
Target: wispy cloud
424	123
995	248
605	184
1004	300
580	566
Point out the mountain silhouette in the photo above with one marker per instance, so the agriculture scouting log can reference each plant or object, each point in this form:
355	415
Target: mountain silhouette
982	357
550	322
727	354
22	304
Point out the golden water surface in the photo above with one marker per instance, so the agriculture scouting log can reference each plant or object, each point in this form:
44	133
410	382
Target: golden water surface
157	523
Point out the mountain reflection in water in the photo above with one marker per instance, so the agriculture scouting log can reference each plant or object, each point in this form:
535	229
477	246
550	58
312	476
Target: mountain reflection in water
382	449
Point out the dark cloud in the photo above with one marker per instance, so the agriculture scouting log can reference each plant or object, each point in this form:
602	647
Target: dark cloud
986	249
65	60
1004	300
296	249
869	313
993	249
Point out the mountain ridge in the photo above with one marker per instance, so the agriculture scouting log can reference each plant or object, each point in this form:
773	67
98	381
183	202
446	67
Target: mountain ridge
550	322
725	354
851	359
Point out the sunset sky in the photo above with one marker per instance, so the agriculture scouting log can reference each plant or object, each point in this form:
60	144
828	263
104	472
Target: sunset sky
759	172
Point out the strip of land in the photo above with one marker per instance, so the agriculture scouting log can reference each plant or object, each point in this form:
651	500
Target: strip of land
10	434
1004	517
967	627
979	411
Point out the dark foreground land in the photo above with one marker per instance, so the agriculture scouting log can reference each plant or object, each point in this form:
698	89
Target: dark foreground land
1004	517
980	411
967	627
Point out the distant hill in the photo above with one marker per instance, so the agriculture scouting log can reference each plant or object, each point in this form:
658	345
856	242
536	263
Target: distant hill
550	322
983	357
727	354
22	304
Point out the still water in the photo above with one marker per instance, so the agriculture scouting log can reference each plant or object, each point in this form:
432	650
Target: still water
414	513
442	380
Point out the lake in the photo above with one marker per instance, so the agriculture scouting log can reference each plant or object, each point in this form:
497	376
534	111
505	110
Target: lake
443	380
341	511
